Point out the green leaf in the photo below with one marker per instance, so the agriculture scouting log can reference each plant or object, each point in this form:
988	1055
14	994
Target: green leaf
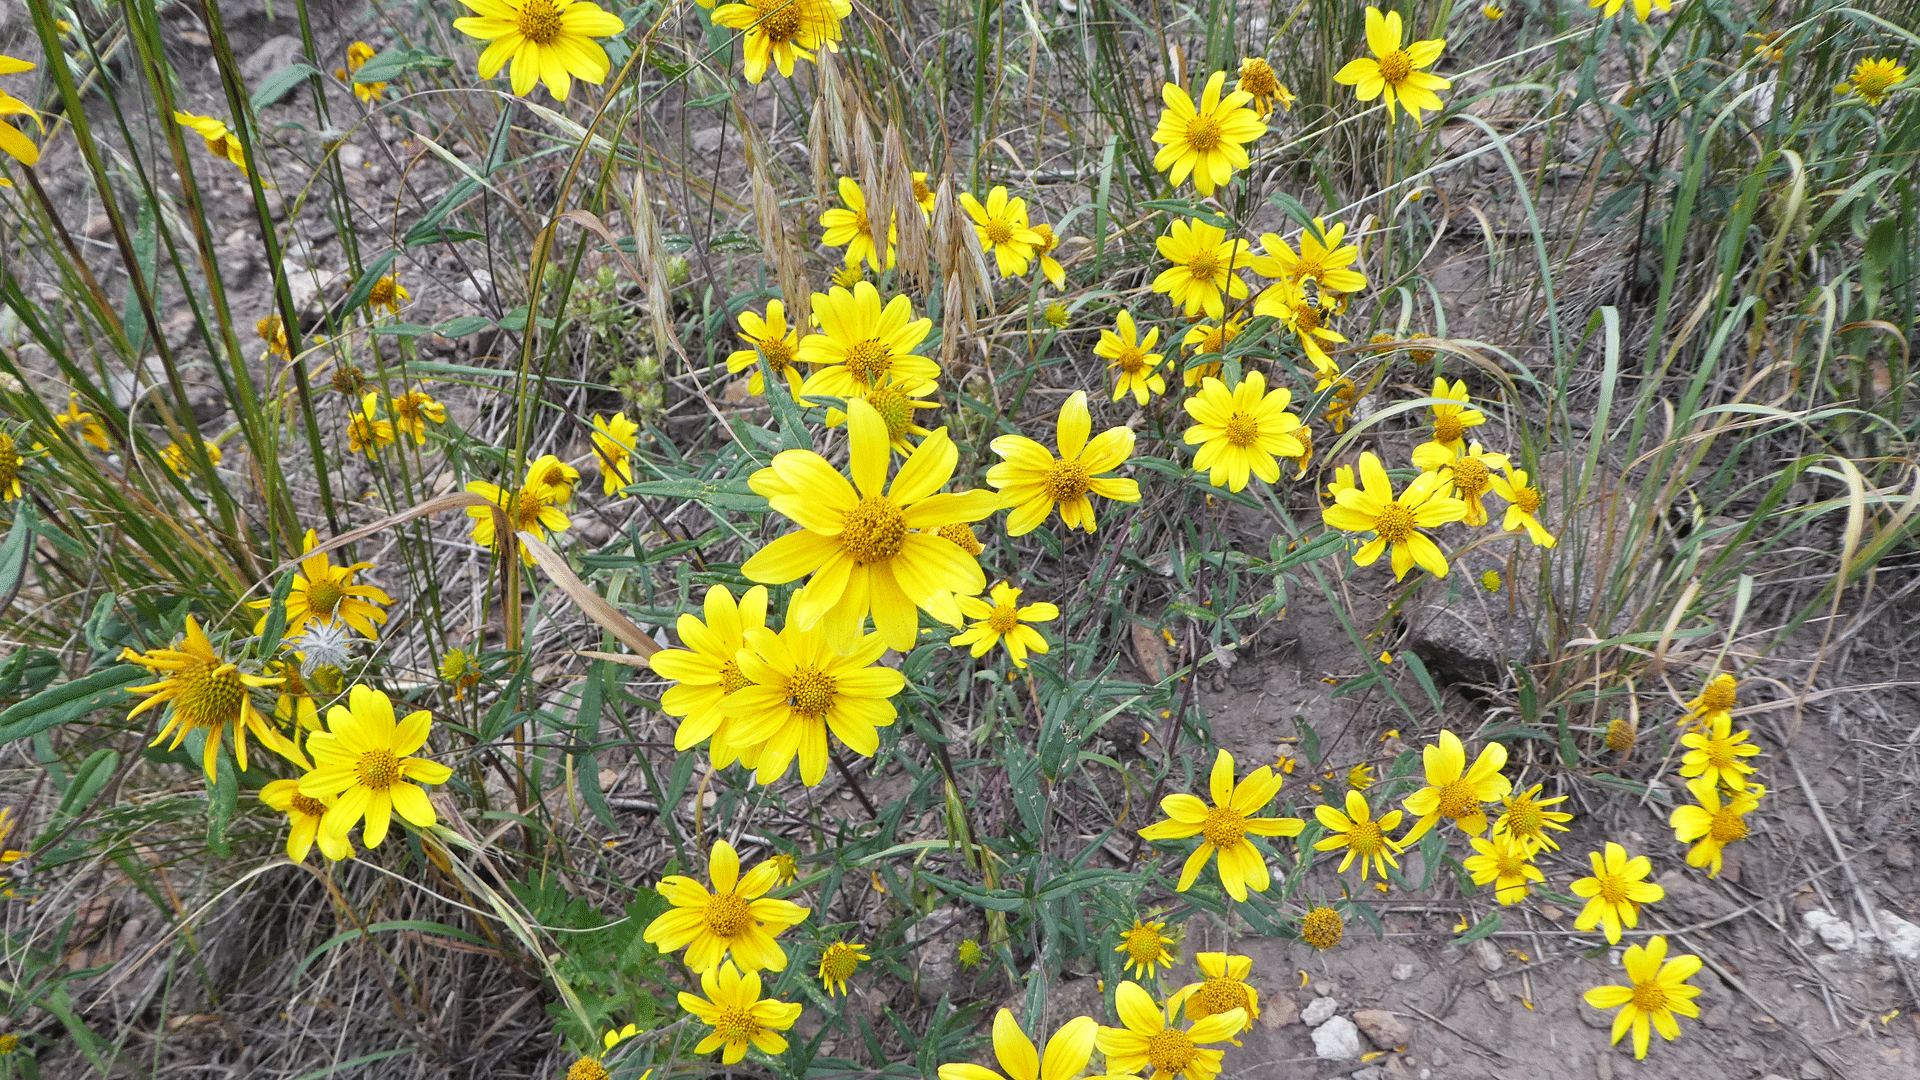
68	701
403	329
1185	208
276	624
393	63
427	229
13	556
719	494
222	800
1483	928
278	85
357	298
462	326
1420	675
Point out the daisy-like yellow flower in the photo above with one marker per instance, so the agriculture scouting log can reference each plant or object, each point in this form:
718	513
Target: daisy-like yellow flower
304	814
1263	87
786	869
1719	820
546	41
1322	259
1642	10
1225	827
1043	251
366	432
924	194
1033	481
1396	521
1393	70
1004	232
1455	791
273	330
1204	338
221	143
897	403
870	547
1145	946
174	456
778	32
1148	1038
1871	79
323	593
1322	928
1338	409
13	142
461	670
1615	891
1659	990
969	953
553	477
1716	697
737	920
1129	355
847	227
1307	317
1506	864
593	1067
1716	753
412	411
364	762
848	276
800	689
1056	315
737	1014
528	510
1207	140
1364	836
358	54
296	707
1065	1056
1525	817
1523	506
1222	989
1493	11
862	345
1454	415
82	423
388	293
1004	621
204	693
706	669
614	440
1472	471
770	338
1202	274
1241	431
838	962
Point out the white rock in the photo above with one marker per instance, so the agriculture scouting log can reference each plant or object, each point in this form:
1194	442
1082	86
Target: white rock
1337	1040
1319	1012
1402	972
1837	933
1900	935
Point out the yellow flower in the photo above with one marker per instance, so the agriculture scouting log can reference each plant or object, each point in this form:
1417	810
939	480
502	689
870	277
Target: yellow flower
1263	87
706	669
363	761
1472	473
1454	415
1358	832
365	432
614	440
1659	991
460	669
923	194
1240	431
736	1012
1396	521
358	54
272	330
1492	11
1222	989
1506	864
304	814
1033	481
1714	823
849	228
1339	407
1128	354
1207	140
896	402
969	952
737	919
221	143
1642	9
1321	928
800	688
548	41
593	1067
12	142
1395	71
206	694
1322	259
1203	338
848	276
838	962
868	547
1050	267
7	854
388	293
1004	621
1717	696
1288	302
1056	315
1872	79
1145	946
1527	819
1203	267
772	339
1065	1057
786	869
1003	229
1455	791
528	510
1715	753
780	31
90	428
1615	891
1148	1039
1360	777
412	410
861	344
553	478
1490	581
1225	827
323	592
1523	506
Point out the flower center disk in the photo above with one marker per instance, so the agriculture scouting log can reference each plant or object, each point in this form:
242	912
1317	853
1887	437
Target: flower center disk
1203	133
1221	995
378	769
868	360
1242	430
873	531
1224	826
1457	799
1170	1051
1067	480
1394	526
539	21
324	598
728	915
1003	619
1471	477
1396	66
1727	826
1447	428
999	232
811	692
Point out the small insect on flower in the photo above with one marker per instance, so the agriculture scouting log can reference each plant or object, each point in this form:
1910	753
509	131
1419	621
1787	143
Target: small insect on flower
208	695
738	1015
1659	990
838	962
364	762
1004	621
735	922
1615	891
1033	482
1207	140
548	41
1144	947
1394	71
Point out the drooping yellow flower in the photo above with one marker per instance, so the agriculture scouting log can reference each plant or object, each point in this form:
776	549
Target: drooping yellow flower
1454	415
1716	753
553	478
358	54
273	330
304	814
1004	621
1322	259
1615	891
13	142
1396	521
1642	10
969	953
924	194
847	227
546	41
461	670
174	456
1207	140
1306	317
1339	408
1049	266
1222	989
1148	1038
838	962
1472	471
1204	261
614	440
1066	1052
89	428
1493	11
778	32
363	761
388	293
1225	827
1658	991
1719	820
1525	817
1241	431
528	510
1523	506
706	669
1004	232
1137	368
1394	71
323	592
1263	87
412	411
1454	791
1033	481
204	693
737	1014
221	143
862	345
1146	949
868	547
1871	79
1360	833
366	432
1505	863
737	920
1717	696
772	339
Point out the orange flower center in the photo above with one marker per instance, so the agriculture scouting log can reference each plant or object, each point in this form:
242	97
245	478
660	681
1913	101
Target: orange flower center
1219	995
778	354
1396	66
209	696
839	962
810	692
1171	1051
1224	826
1257	79
1717	696
1003	619
868	360
1457	800
999	232
1131	360
1067	480
1727	826
1306	319
1365	838
587	1068
728	915
1143	945
1447	428
736	1025
324	597
1203	133
731	679
1322	928
873	531
1528	500
1649	997
1395	524
779	19
539	21
1243	430
378	769
310	807
1471	477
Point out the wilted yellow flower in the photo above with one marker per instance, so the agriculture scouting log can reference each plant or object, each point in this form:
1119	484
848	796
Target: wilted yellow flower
89	427
412	411
613	445
1258	82
358	54
206	694
365	431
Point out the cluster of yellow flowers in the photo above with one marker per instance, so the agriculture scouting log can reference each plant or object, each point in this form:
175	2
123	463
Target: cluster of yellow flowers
1719	777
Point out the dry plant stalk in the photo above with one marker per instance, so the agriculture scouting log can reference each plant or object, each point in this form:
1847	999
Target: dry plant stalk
963	267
